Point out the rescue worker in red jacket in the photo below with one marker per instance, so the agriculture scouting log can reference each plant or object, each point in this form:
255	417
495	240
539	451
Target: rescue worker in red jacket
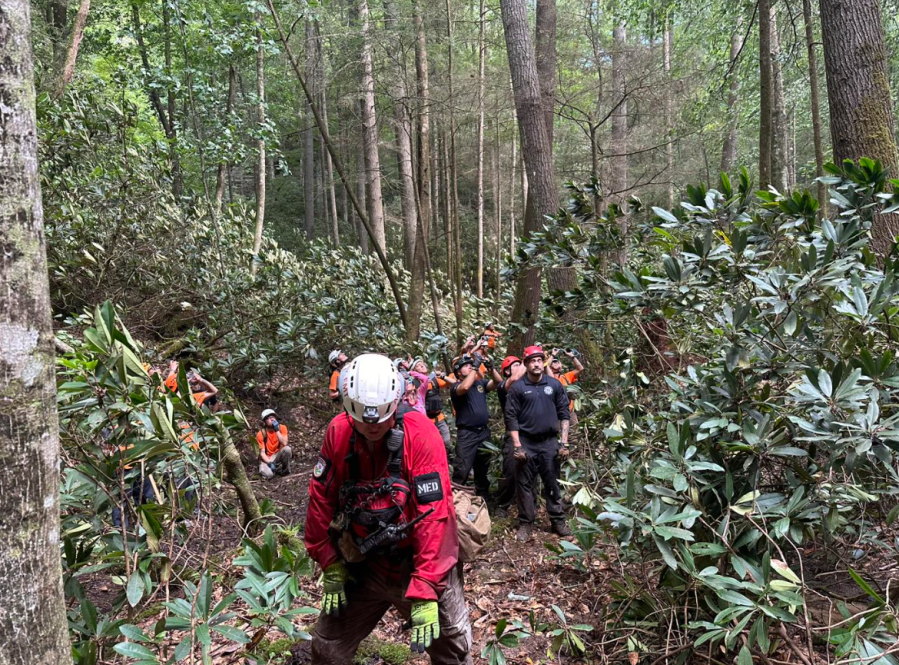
382	525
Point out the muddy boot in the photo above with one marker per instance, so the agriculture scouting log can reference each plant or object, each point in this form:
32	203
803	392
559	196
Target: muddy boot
524	533
560	528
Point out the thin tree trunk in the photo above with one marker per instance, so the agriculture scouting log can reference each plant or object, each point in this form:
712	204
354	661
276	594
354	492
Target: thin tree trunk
420	259
858	88
619	177
779	126
815	102
453	191
667	41
229	107
766	94
536	149
512	193
480	150
729	152
329	173
370	133
177	177
260	143
498	214
447	213
236	474
402	129
338	164
309	137
66	68
33	613
362	194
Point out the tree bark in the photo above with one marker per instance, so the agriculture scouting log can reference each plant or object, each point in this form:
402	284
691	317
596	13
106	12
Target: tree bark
362	195
420	258
453	192
480	150
370	134
667	41
309	138
545	51
766	93
619	179
329	173
177	176
498	214
33	614
260	143
729	151
815	102
858	88
236	474
402	129
66	69
229	107
512	192
536	149
779	126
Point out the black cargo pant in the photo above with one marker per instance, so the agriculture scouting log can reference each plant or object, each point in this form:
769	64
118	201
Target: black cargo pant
543	461
505	494
471	454
335	639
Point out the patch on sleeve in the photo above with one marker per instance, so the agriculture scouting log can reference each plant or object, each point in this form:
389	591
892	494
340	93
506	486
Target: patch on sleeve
321	469
428	488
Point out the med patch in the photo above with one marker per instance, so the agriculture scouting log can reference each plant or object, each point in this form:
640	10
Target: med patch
321	469
428	488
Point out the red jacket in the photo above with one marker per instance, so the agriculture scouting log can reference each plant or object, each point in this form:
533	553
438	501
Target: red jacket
434	540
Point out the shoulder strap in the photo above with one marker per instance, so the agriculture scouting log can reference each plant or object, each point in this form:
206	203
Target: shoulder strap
395	443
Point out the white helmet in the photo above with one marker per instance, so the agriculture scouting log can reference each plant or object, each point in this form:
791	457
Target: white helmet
334	355
371	388
267	413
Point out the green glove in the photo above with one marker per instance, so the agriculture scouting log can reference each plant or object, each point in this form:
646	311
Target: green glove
334	599
425	624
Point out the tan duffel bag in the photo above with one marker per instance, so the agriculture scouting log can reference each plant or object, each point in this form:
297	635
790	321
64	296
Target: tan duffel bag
472	520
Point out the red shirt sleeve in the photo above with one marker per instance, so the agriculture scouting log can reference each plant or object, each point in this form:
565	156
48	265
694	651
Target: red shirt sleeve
324	488
435	541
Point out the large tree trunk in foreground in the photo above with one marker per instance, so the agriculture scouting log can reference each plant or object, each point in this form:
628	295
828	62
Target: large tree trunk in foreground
32	615
729	151
858	88
370	133
815	101
537	152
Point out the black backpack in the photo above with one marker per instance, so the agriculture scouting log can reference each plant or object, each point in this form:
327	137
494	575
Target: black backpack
433	400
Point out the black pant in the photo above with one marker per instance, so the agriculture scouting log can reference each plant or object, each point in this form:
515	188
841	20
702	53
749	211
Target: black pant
471	453
505	494
138	493
543	461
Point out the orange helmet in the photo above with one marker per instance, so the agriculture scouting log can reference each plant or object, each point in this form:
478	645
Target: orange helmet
533	352
508	361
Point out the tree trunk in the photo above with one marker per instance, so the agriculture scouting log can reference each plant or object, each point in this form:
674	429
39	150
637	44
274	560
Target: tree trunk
220	173
619	180
779	126
498	214
729	152
766	93
370	133
858	89
66	68
33	613
236	474
536	149
420	258
177	176
260	143
329	174
482	49
309	138
667	42
512	191
362	195
402	129
453	191
815	102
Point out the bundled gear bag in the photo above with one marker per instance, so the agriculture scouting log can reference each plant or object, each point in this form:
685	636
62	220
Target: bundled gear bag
433	400
472	522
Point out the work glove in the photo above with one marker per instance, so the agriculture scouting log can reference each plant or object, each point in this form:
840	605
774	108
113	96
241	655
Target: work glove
520	455
334	599
425	624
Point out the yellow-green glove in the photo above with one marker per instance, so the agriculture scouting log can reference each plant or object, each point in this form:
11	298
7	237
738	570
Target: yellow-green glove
425	624
334	599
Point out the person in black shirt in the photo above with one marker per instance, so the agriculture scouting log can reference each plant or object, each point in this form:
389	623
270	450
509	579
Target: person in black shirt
469	397
537	417
511	370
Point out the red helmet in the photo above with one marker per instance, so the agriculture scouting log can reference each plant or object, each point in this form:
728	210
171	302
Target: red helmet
508	361
533	352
